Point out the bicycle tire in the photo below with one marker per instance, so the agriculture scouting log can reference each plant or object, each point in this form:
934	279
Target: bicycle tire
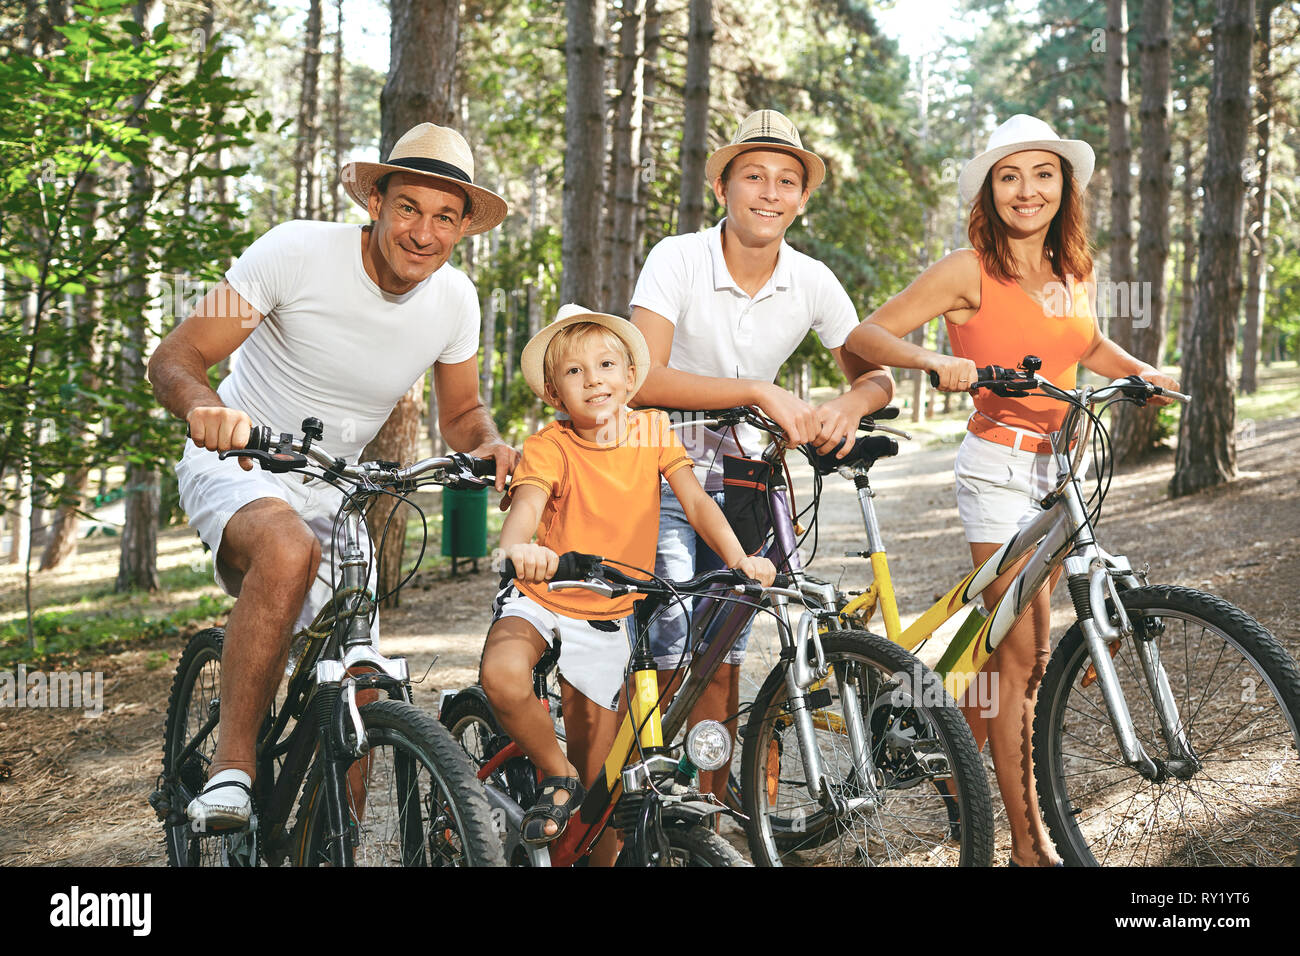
914	747
1242	804
417	779
471	723
699	846
195	687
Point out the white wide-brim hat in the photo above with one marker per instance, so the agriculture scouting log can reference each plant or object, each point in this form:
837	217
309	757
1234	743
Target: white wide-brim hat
440	153
766	129
1016	135
533	360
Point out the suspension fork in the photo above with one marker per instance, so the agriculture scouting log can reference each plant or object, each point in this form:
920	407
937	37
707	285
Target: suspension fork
1089	579
807	666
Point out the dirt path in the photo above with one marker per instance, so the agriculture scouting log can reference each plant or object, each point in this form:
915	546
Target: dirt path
73	788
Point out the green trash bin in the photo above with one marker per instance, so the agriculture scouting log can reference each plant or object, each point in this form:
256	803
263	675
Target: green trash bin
464	525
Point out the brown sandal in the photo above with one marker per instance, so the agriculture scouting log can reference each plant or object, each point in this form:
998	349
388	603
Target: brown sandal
533	830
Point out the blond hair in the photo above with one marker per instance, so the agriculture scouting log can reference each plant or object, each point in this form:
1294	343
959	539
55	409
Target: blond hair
575	335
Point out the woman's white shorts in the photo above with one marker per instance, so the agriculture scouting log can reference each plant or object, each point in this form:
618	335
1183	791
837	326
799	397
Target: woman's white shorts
999	488
593	654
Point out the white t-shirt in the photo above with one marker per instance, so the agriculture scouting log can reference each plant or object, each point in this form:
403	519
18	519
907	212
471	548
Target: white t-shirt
333	345
722	332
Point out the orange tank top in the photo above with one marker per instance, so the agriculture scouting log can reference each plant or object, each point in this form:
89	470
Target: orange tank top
1011	324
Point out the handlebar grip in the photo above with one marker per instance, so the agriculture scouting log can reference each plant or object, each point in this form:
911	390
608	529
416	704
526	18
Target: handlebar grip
879	415
478	467
572	566
934	379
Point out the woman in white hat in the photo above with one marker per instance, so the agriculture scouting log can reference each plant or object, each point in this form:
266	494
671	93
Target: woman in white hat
1025	287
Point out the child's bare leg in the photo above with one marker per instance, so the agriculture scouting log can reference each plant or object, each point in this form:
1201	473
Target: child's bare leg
589	731
513	648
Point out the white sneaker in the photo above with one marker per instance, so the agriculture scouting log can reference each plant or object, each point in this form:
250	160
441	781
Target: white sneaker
226	803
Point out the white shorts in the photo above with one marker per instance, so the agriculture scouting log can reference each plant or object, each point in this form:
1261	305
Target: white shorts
212	490
592	658
999	488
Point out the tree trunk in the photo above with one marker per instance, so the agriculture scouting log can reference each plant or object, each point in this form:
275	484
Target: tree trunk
1134	427
584	156
1257	229
627	156
420	89
1187	285
646	173
917	337
1121	190
336	118
1207	451
421	84
138	564
304	157
695	127
399	441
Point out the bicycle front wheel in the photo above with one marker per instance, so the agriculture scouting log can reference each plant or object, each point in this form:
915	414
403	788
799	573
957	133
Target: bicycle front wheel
1238	697
412	800
193	704
928	803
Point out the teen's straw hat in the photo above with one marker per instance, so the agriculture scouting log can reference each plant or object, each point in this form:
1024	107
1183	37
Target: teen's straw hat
440	153
533	360
1019	133
767	129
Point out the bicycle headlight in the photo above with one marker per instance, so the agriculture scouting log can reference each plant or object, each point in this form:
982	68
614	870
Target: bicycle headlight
708	745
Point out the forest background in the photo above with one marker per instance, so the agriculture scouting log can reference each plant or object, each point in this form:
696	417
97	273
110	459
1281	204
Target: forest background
146	144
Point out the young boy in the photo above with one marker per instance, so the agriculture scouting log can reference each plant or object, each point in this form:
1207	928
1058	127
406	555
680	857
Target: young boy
588	484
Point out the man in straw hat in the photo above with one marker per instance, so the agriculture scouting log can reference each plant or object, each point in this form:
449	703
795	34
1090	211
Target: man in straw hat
722	310
335	322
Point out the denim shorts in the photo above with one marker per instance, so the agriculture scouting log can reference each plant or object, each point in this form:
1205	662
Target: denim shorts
682	554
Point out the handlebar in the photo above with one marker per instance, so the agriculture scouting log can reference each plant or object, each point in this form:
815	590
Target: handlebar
284	453
1010	381
588	572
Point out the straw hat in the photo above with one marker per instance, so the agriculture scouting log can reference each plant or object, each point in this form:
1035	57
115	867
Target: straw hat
1017	134
440	153
533	360
767	129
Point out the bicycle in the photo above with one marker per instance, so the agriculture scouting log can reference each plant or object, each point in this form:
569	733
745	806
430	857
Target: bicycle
376	783
1166	731
845	730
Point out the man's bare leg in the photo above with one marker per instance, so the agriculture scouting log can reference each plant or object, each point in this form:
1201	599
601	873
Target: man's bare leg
276	555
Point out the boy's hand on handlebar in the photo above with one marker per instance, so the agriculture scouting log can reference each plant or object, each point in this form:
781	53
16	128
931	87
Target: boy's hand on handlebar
953	374
759	568
797	418
838	423
505	457
219	428
533	563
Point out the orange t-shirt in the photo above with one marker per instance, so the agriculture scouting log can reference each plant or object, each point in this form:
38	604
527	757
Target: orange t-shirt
1011	324
600	500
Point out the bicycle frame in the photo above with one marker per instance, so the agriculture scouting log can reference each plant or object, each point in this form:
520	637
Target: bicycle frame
1061	536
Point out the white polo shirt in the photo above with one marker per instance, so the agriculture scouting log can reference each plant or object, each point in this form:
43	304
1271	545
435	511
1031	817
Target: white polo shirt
722	332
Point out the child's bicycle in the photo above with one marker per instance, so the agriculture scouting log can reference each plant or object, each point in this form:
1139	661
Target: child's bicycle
376	783
854	754
1168	720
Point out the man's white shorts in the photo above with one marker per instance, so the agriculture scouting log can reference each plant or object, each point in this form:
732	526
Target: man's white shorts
999	487
212	490
592	659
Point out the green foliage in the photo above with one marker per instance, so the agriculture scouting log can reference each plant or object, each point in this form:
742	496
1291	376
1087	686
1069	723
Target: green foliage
61	635
97	256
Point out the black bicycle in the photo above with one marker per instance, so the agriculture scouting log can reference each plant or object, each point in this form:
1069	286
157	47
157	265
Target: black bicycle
376	782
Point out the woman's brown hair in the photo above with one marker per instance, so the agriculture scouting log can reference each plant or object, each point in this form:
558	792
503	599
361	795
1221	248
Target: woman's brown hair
1067	236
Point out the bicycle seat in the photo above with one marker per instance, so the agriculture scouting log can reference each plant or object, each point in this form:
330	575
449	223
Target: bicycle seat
867	450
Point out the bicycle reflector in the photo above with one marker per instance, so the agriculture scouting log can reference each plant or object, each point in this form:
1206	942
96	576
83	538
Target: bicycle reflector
708	745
